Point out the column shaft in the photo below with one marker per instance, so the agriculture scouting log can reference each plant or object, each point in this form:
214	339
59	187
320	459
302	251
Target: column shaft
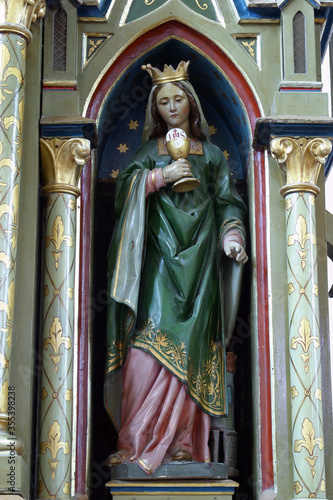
13	50
57	344
62	162
300	160
15	19
304	347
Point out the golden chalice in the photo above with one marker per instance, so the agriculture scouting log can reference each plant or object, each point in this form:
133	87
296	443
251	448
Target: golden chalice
179	147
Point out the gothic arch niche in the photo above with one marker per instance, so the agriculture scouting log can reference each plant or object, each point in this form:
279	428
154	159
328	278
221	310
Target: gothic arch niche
231	111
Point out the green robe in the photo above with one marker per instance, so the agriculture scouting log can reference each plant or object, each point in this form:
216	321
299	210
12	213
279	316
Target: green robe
165	275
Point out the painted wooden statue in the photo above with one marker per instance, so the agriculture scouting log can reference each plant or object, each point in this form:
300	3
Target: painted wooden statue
172	304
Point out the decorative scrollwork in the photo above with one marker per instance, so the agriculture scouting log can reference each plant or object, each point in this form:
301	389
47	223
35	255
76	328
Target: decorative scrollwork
203	7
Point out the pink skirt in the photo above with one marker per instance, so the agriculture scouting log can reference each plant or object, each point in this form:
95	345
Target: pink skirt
158	416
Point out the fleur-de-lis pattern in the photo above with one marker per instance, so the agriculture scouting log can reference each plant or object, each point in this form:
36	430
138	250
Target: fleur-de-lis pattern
304	342
58	334
12	73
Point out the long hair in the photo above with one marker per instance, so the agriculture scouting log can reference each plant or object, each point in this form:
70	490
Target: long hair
194	116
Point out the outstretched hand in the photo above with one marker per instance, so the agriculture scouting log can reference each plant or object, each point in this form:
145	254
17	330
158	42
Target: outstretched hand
235	251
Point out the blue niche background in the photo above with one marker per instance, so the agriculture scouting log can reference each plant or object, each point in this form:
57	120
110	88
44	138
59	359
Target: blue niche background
122	119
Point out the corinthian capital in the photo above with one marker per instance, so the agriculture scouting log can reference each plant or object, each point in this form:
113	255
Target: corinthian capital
20	13
300	160
62	163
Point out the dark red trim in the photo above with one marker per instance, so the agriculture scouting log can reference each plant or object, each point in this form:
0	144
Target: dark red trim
83	336
263	322
142	43
300	89
45	87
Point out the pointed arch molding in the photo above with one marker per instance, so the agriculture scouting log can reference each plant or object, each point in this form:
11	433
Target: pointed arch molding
201	43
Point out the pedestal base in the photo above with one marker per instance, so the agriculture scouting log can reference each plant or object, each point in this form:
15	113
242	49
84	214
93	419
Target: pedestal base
177	490
10	474
171	470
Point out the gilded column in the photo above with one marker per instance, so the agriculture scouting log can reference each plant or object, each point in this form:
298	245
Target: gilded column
300	161
62	163
16	17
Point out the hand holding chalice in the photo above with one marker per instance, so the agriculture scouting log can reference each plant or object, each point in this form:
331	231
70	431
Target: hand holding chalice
178	146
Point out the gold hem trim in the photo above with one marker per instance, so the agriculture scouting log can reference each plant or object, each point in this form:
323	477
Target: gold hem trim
146	466
182	378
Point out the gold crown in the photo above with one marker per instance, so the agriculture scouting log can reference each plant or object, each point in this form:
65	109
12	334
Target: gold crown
169	74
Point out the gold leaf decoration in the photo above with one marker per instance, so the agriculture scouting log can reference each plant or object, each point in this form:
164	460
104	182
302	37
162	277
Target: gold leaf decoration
8	121
68	395
310	441
57	256
9	338
298	487
44	393
4	397
54	445
58	238
306	368
313	472
311	461
46	290
306	357
71	204
3	361
315	290
40	486
301	235
8	162
5	259
318	394
6	209
8	307
294	392
323	486
311	199
13	241
70	292
250	48
67	488
288	204
305	339
55	340
291	288
12	71
5	55
53	466
5	58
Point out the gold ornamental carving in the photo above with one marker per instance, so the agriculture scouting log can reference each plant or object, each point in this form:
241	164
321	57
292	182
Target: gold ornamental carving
54	445
305	338
300	161
55	340
57	239
16	16
62	163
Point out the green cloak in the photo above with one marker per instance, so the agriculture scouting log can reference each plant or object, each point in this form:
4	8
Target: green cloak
165	275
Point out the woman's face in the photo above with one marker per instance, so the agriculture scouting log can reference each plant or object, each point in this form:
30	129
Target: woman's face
173	106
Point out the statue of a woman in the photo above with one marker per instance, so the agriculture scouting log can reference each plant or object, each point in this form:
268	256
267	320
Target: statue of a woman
168	312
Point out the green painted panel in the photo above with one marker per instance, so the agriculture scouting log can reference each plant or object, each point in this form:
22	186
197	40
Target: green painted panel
140	8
